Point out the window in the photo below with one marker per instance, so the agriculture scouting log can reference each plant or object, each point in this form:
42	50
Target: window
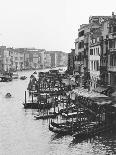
98	51
81	44
114	29
16	58
21	58
93	40
91	65
94	51
91	51
94	65
97	65
81	33
97	39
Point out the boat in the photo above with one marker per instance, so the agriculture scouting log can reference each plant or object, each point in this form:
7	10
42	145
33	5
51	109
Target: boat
5	78
68	127
35	105
59	125
64	129
23	77
15	75
35	72
92	129
46	116
8	95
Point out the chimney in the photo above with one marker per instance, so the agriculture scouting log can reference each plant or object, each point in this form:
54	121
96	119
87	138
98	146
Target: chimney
113	15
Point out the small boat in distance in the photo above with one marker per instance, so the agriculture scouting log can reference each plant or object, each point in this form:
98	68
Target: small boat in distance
35	72
23	77
8	95
15	75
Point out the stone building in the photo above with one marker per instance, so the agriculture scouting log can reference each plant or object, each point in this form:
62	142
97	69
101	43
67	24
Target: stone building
71	58
4	59
94	57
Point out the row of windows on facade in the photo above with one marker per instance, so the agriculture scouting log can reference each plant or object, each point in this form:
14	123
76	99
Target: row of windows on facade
112	43
95	51
93	85
95	65
21	58
112	60
95	40
81	44
112	29
103	62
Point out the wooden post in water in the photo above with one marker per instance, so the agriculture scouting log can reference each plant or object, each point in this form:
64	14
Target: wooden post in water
54	104
25	98
32	97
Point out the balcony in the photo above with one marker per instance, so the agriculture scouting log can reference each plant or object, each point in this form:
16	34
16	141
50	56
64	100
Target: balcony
112	68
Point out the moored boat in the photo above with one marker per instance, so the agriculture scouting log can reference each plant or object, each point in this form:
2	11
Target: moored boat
46	116
23	77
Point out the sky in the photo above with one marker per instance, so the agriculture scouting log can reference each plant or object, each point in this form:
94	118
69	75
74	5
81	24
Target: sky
47	24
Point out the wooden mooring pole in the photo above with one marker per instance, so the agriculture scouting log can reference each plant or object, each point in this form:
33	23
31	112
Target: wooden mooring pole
32	97
25	98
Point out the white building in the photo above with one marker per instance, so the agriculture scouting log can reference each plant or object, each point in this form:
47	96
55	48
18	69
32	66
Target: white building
6	60
94	58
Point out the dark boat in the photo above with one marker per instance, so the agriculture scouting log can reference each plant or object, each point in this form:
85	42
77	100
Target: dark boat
23	77
8	95
68	127
5	78
64	129
35	105
91	130
35	72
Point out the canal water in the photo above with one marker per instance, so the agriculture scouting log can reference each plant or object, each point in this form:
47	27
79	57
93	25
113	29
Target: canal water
21	134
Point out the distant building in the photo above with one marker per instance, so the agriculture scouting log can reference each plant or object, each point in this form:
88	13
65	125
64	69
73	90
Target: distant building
61	59
55	59
34	58
4	59
47	60
71	58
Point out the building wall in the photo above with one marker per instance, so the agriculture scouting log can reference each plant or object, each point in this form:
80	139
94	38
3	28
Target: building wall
47	60
6	60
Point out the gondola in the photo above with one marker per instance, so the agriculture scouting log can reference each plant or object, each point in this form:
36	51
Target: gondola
46	116
91	130
63	129
67	127
36	105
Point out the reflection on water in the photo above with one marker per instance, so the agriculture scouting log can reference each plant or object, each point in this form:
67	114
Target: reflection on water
21	134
